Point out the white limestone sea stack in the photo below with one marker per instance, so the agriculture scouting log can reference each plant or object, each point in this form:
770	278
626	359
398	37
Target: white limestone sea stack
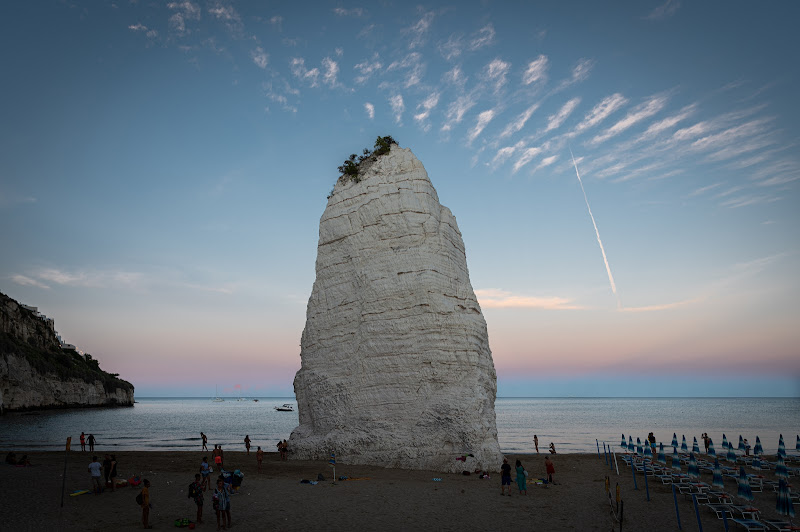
396	369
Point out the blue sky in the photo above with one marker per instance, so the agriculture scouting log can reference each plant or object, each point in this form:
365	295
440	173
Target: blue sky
164	165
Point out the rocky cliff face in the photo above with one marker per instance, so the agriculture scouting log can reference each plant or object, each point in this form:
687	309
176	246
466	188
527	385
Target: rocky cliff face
36	373
396	368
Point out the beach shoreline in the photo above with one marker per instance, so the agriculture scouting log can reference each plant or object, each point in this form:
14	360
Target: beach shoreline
386	499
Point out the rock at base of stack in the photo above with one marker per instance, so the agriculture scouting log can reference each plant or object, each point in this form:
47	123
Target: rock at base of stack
396	367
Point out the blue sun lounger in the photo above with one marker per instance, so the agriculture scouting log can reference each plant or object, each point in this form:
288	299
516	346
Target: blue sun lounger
750	524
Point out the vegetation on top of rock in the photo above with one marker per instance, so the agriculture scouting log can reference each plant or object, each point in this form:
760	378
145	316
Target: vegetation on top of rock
65	364
353	165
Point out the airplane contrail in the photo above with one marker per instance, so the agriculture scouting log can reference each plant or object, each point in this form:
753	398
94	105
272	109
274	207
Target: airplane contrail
602	250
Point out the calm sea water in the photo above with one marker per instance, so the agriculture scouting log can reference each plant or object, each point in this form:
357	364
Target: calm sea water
572	424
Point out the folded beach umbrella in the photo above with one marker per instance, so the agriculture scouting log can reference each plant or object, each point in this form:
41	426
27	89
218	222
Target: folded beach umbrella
731	456
684	448
711	451
758	450
724	441
784	505
781	447
630	444
676	460
695	447
741	443
694	471
622	443
797	445
780	469
718	481
756	463
648	453
745	492
675	440
662	458
639	446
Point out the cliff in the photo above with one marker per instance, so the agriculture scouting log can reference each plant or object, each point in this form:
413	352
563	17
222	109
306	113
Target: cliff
36	373
396	368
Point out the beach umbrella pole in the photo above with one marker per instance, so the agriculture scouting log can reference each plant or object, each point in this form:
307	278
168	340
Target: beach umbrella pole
615	463
677	512
725	519
697	513
633	471
598	447
646	488
64	477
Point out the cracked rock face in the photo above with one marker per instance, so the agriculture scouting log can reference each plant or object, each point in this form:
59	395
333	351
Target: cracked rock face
396	368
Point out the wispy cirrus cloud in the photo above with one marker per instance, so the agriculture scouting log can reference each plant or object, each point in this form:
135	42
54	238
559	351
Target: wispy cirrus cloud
370	109
636	115
367	68
663	306
607	106
259	57
496	72
526	157
457	109
519	122
554	121
184	12
659	127
456	44
483	120
413	66
419	30
425	107
396	102
331	70
703	190
24	280
149	33
297	65
536	70
455	76
482	38
80	278
228	15
354	12
494	298
579	73
664	11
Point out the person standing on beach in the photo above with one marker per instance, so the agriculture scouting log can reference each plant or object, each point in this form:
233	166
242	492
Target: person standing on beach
205	471
146	505
107	468
536	443
521	478
83	442
552	448
205	441
222	496
217	454
550	469
113	474
91	443
505	477
247	443
705	441
94	469
259	457
196	492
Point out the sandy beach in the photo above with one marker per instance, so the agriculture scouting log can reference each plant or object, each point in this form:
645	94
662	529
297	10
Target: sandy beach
385	499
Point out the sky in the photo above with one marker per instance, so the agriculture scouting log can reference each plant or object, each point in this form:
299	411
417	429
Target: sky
625	175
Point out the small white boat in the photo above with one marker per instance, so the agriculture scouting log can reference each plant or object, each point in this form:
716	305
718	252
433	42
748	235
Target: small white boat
285	407
218	399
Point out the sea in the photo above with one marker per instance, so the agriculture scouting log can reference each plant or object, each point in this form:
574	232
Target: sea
573	425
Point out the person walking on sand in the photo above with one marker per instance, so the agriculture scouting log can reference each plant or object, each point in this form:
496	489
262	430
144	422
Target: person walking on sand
222	503
91	443
505	477
196	492
146	504
95	469
83	442
205	441
536	443
550	469
205	471
247	443
260	458
521	479
217	454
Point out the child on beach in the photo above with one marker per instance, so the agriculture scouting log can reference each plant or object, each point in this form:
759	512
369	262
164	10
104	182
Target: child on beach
550	470
146	505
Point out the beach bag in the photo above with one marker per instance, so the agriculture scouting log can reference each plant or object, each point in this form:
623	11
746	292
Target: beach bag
139	499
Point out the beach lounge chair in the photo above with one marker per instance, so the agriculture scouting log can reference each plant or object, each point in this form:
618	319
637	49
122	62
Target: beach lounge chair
750	524
781	526
719	508
747	512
